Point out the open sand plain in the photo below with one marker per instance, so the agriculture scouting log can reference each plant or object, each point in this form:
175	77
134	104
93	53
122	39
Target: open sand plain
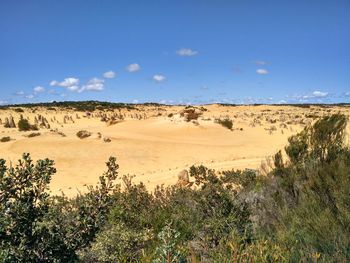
153	142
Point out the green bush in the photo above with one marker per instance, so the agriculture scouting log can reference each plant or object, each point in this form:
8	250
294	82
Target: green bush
190	113
5	139
24	125
227	123
83	134
309	197
18	110
23	205
33	134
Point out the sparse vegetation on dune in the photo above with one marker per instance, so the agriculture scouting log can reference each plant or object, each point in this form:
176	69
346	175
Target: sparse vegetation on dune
83	134
5	139
191	113
226	122
24	125
18	110
33	134
298	212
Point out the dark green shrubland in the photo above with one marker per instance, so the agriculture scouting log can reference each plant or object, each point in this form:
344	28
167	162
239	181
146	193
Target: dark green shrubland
24	125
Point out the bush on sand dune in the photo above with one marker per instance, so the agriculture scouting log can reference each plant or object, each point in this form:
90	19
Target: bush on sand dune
83	134
24	125
227	123
5	139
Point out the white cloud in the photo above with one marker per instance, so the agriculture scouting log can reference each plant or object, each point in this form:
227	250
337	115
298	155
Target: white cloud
93	84
261	71
69	83
135	101
3	102
260	62
109	74
38	89
52	92
73	88
319	94
30	96
133	67
19	93
313	95
186	52
159	78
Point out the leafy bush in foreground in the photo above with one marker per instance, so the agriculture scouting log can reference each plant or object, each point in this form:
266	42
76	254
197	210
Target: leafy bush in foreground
23	205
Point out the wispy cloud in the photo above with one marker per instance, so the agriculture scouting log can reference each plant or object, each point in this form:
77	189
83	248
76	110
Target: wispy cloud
319	94
260	62
19	93
30	96
261	71
186	52
52	92
237	70
134	67
316	95
39	89
109	74
93	84
159	78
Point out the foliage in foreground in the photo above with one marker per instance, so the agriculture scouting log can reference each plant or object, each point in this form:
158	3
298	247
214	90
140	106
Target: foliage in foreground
300	211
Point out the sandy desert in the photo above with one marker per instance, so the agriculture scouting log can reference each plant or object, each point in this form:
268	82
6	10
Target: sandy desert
153	142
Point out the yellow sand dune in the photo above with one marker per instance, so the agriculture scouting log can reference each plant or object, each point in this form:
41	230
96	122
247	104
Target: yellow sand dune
154	148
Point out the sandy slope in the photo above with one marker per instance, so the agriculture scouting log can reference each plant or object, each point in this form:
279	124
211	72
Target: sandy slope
155	149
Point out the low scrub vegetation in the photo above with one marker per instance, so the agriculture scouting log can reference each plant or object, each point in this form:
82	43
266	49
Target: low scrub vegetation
298	212
190	113
83	134
33	134
5	139
24	125
226	122
18	110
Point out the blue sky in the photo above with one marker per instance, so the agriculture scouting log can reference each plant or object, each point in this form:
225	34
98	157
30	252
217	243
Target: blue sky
175	51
